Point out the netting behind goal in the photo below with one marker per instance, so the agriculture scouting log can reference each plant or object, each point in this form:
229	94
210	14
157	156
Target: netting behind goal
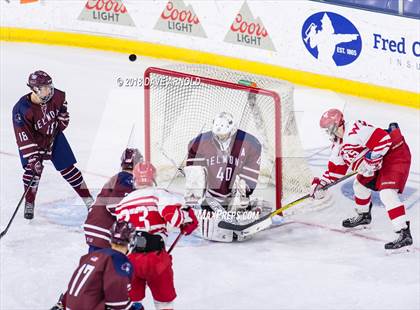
182	100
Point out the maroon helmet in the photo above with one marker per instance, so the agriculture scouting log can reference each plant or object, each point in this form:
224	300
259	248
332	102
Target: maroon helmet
38	79
122	232
130	157
331	120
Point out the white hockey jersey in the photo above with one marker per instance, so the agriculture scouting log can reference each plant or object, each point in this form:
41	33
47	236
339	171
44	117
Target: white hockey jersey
359	138
150	209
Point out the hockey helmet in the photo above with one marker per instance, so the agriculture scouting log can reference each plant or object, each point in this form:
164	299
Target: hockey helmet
130	157
144	174
38	80
331	120
223	126
122	232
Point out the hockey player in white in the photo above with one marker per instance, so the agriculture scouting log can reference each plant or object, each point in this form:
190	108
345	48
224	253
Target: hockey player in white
222	172
382	161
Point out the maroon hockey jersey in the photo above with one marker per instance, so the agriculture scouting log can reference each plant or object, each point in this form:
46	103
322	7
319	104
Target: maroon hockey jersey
100	217
242	159
101	280
35	124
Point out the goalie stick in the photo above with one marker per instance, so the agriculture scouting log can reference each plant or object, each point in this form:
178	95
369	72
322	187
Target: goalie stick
4	232
265	221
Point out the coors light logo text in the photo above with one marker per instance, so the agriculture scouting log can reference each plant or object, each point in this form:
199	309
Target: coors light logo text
249	31
179	18
106	11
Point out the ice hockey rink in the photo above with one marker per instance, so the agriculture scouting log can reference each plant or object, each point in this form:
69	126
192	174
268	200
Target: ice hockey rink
305	262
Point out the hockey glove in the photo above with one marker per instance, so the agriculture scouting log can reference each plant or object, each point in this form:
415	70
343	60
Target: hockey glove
317	186
35	164
369	165
190	222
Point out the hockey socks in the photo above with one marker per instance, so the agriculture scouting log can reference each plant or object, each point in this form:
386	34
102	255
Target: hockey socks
75	179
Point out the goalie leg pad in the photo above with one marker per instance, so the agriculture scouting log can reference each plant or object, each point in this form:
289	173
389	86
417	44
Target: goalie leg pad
209	222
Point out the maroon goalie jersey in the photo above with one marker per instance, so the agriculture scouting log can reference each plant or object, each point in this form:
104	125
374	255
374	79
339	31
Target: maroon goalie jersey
242	159
101	280
35	124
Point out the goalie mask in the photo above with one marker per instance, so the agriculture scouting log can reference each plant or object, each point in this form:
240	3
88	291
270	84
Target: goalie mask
41	84
223	126
330	121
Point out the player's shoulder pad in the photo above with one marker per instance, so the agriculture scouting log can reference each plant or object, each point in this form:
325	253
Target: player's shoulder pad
59	94
247	137
125	179
120	262
202	137
20	109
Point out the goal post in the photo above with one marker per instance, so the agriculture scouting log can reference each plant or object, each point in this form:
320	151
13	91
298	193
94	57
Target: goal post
181	101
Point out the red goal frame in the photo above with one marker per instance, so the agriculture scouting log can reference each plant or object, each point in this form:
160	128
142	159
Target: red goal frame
276	98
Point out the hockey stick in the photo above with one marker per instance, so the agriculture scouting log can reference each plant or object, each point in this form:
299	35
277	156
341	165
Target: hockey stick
267	218
4	232
174	243
17	207
178	169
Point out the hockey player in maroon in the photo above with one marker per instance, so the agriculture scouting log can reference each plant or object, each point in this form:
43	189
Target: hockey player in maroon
100	217
150	209
222	172
382	161
39	119
229	155
102	279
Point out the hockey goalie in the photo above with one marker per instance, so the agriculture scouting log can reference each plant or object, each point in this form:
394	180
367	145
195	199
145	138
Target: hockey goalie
221	173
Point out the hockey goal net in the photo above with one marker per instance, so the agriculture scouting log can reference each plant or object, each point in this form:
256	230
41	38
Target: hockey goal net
182	100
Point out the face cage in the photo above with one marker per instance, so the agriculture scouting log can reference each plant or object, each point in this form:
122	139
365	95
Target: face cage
331	131
46	98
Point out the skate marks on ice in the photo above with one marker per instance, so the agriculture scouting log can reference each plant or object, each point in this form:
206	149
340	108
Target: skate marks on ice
364	233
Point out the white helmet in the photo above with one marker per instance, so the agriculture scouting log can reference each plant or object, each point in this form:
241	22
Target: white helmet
224	126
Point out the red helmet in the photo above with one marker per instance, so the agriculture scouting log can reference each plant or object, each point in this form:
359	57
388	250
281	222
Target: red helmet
122	232
144	174
331	120
40	78
130	157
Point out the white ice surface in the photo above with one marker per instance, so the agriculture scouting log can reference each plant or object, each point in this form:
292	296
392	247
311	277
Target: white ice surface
309	262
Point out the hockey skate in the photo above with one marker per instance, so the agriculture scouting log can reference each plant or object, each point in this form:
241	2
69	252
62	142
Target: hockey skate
404	239
28	213
59	304
361	219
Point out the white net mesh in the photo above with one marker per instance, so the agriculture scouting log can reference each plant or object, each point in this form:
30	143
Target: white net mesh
181	110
